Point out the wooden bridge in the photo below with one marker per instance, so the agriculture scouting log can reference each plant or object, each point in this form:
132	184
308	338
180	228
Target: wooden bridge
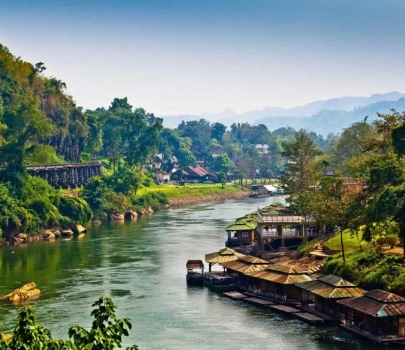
71	175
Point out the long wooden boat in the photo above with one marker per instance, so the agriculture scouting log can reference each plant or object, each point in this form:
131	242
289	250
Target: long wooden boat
219	282
195	272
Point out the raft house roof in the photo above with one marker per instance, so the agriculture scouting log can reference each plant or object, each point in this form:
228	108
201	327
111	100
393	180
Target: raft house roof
244	267
332	287
224	255
242	225
281	274
280	278
194	264
377	303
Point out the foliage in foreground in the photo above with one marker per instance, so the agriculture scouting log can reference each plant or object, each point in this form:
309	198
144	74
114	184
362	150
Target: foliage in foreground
369	269
105	334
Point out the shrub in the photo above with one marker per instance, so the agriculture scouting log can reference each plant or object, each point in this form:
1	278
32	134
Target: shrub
381	240
76	209
392	240
46	211
154	200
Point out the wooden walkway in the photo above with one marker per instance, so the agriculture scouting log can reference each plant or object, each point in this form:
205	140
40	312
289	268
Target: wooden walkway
258	301
284	308
307	317
306	314
235	295
326	319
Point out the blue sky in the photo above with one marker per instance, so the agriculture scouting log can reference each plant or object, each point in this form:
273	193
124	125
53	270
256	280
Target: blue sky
189	57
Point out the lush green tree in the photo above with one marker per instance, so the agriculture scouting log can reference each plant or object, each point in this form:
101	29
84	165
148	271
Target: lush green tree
107	330
42	154
301	171
218	131
345	151
223	163
222	178
185	158
200	134
125	180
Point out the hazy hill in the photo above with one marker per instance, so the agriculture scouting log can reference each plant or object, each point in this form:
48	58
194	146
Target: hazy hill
228	116
327	121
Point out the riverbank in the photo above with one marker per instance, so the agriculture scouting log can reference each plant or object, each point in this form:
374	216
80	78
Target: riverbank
208	198
175	196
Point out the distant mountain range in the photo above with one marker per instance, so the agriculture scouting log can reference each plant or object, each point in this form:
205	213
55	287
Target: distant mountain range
320	116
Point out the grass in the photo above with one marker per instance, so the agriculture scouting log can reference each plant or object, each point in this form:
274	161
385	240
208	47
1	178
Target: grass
190	190
369	269
350	242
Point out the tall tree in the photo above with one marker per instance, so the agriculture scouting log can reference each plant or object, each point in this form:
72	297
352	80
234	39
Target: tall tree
301	170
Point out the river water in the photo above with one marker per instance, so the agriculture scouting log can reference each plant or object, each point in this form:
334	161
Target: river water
142	267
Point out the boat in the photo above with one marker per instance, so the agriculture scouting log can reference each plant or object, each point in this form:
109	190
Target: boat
219	282
195	272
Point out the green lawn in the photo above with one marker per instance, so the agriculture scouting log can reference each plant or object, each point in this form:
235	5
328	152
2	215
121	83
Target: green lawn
349	242
190	190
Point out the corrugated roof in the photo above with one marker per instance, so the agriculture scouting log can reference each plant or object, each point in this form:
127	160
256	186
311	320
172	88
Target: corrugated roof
222	256
253	259
279	277
241	226
385	297
286	269
196	170
243	267
374	307
326	290
336	281
194	264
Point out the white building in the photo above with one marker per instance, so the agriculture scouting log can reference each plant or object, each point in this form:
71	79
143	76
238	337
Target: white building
262	148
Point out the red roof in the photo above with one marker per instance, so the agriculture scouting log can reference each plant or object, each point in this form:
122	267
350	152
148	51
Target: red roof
373	307
196	170
385	297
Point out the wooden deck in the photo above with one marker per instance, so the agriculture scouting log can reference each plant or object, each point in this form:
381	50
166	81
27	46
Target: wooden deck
284	308
326	319
235	295
258	301
307	317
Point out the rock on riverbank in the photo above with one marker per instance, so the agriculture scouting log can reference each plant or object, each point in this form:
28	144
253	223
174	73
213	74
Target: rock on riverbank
175	202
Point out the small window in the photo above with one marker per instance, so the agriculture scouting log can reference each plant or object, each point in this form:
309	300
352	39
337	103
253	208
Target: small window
245	234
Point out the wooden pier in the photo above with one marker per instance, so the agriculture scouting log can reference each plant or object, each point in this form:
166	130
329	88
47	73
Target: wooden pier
307	317
285	309
258	301
235	295
335	321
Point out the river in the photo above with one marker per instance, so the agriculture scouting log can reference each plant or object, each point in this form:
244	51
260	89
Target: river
142	267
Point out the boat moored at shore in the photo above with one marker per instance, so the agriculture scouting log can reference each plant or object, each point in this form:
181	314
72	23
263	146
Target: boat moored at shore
219	282
195	272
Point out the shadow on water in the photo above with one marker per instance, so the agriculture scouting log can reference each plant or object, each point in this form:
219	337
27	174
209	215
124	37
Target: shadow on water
142	266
